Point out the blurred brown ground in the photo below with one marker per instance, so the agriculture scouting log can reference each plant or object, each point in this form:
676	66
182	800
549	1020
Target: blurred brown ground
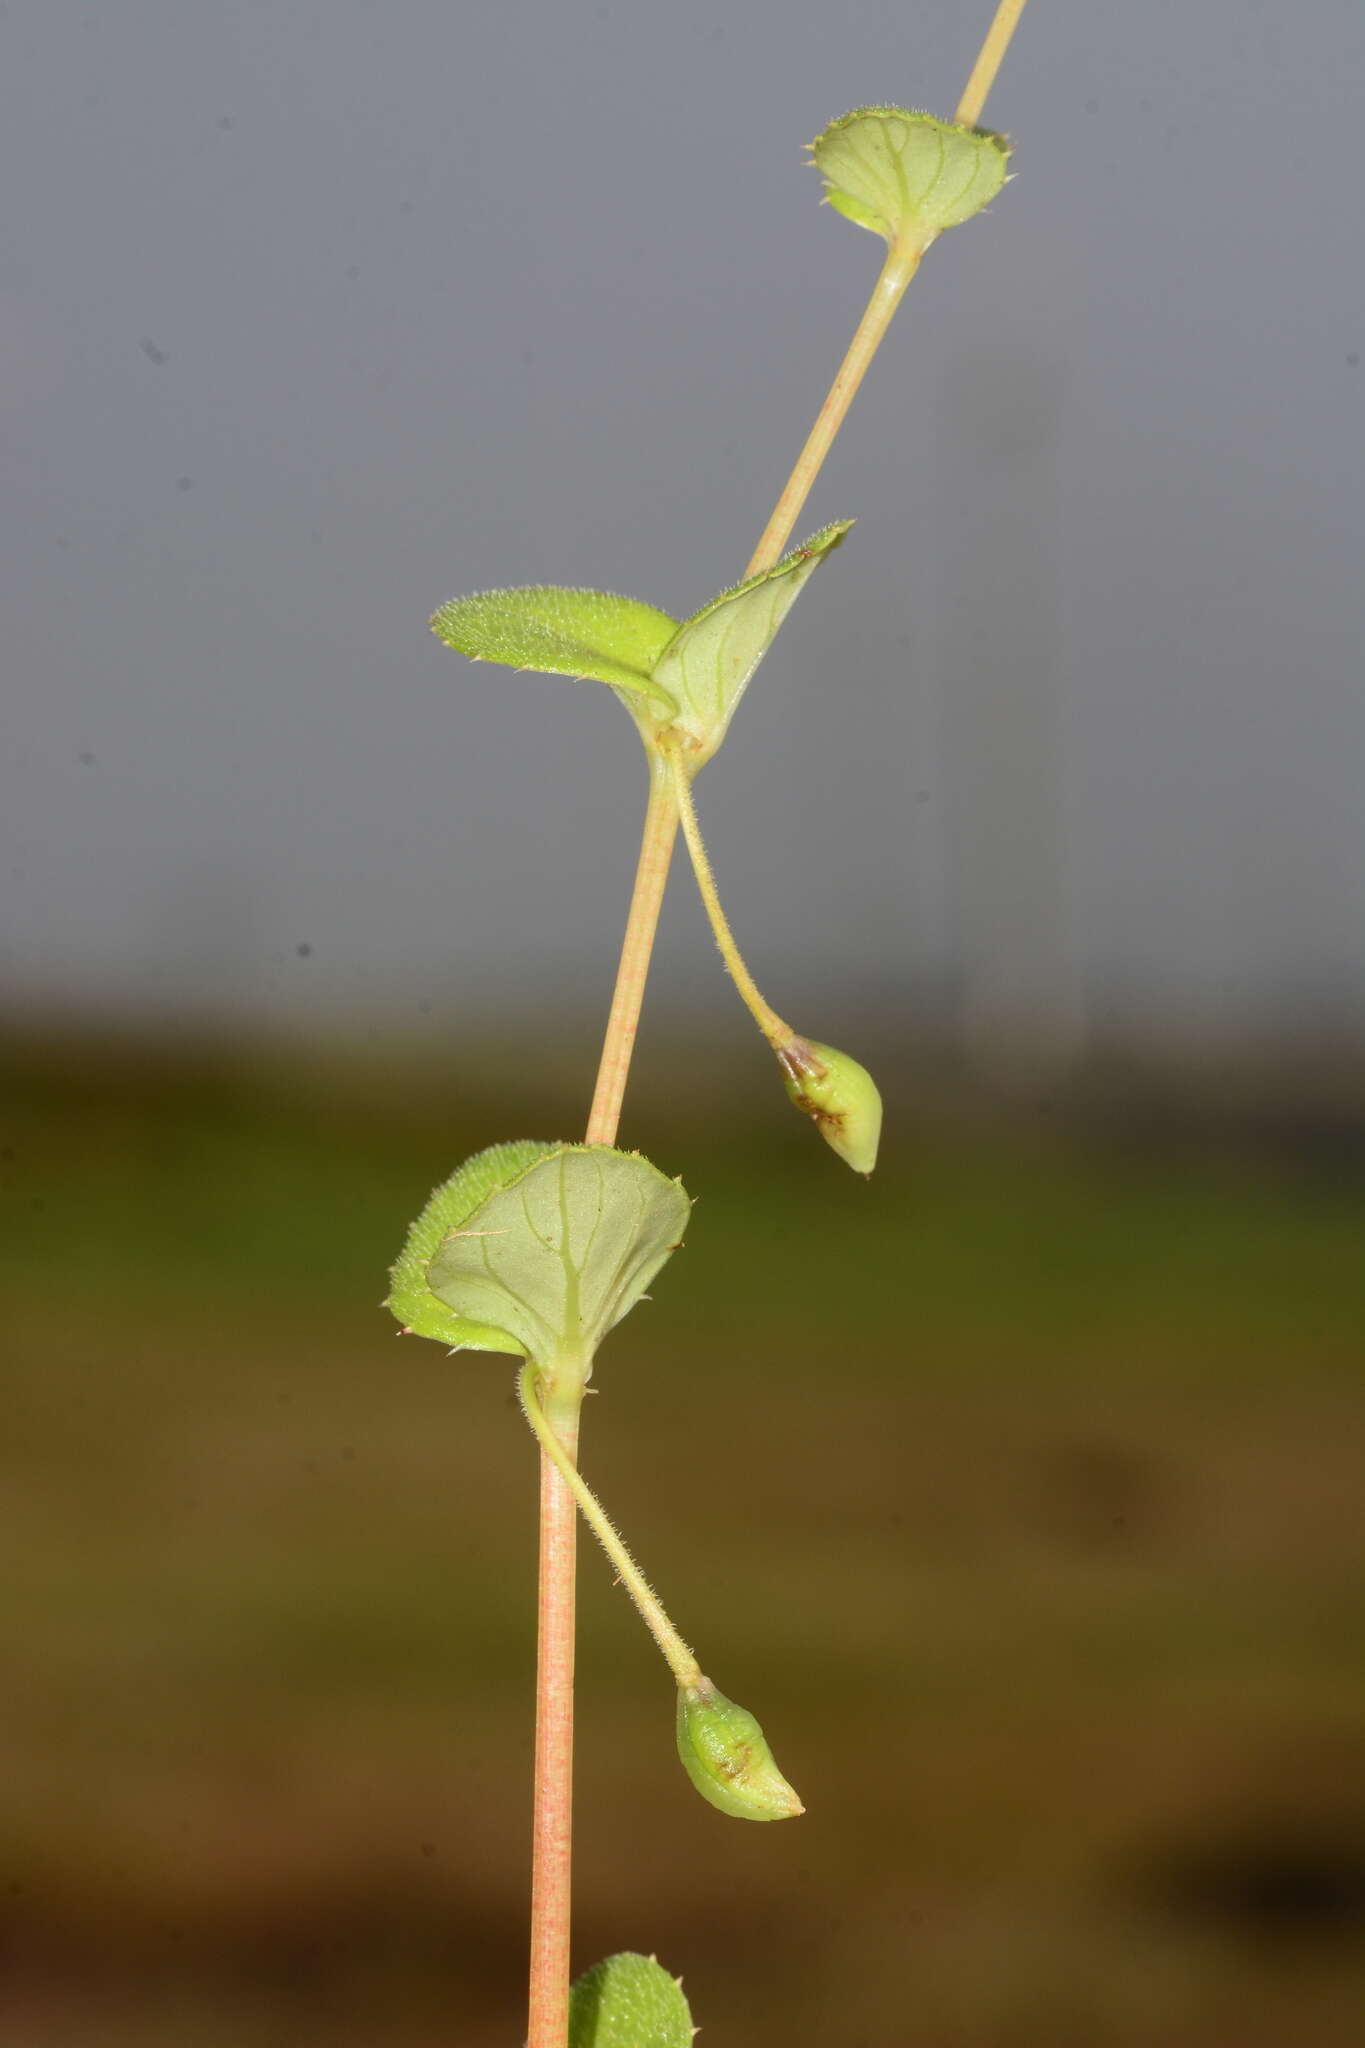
1020	1494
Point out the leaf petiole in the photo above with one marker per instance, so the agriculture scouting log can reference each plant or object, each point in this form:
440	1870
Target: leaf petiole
777	1033
676	1653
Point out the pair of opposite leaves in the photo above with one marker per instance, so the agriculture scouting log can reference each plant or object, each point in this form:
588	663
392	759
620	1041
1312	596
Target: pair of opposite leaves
905	176
681	684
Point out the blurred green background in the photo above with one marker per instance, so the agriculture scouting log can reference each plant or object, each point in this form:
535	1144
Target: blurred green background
1019	1492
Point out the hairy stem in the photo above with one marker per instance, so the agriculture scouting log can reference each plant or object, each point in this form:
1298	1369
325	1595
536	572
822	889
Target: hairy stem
777	1033
651	875
676	1653
552	1827
552	1832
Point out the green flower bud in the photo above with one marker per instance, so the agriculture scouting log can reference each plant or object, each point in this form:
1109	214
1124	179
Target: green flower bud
726	1755
838	1095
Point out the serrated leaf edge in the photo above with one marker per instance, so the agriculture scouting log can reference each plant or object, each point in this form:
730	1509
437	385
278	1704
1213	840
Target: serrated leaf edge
556	1151
883	112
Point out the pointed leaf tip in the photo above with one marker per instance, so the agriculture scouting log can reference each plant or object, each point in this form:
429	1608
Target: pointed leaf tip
898	172
708	663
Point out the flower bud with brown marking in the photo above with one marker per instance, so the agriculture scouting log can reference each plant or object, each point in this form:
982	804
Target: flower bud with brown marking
839	1097
726	1755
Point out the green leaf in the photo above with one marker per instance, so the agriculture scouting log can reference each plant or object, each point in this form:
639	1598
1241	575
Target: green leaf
450	1205
900	173
629	2001
708	662
556	1255
614	640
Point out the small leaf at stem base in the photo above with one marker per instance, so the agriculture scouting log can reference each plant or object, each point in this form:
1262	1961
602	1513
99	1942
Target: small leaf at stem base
629	2001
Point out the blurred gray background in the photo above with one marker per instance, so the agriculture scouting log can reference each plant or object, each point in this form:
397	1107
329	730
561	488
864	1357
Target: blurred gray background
315	315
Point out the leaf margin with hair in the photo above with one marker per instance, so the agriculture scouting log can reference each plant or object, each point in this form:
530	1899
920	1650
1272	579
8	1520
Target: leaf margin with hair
557	629
629	2001
508	1244
703	639
449	1206
877	196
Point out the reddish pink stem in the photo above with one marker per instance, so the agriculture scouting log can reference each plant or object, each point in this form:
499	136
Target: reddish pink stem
552	1852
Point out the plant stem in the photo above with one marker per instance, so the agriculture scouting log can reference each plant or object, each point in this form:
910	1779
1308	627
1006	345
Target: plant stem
902	261
656	851
988	62
777	1033
552	1827
897	271
677	1655
551	1867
